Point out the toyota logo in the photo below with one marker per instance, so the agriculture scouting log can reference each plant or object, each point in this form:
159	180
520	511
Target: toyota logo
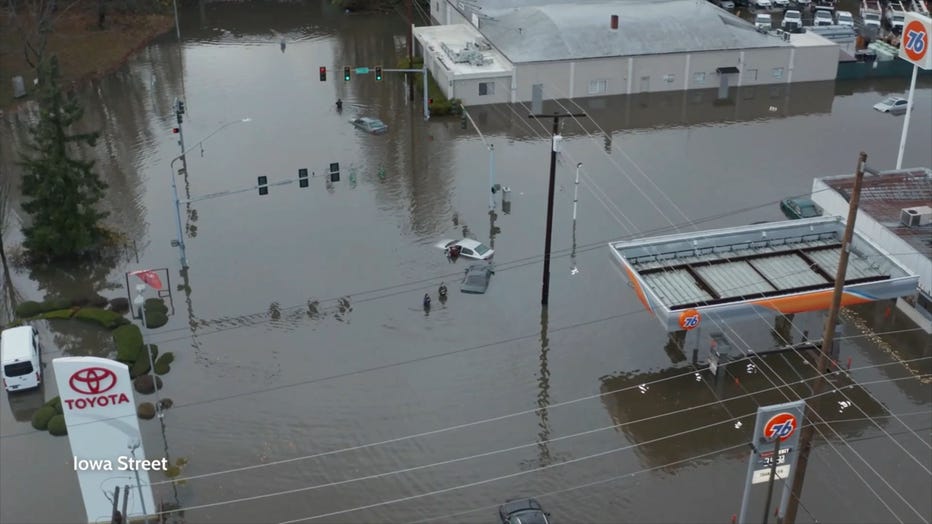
93	381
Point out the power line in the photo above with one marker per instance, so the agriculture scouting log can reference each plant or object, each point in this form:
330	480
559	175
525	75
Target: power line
497	419
510	475
447	516
786	396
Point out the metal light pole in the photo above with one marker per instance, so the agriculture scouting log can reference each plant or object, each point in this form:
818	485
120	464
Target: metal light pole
139	301
491	176
180	238
576	194
142	500
177	26
909	109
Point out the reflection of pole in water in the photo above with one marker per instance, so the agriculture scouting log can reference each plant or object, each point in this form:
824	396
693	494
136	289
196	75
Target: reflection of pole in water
192	320
493	229
543	395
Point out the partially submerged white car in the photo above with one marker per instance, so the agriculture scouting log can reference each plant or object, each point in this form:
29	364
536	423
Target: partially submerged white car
763	21
468	248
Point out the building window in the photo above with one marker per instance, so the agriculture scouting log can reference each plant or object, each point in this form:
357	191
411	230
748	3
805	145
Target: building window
486	88
751	74
668	78
598	86
699	78
778	72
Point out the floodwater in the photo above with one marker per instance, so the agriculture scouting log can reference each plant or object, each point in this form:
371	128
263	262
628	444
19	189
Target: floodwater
299	333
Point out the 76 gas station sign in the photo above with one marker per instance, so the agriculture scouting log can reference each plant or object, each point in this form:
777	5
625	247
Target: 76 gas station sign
916	39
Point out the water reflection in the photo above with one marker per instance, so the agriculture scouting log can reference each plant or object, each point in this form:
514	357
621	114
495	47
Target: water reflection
740	395
674	109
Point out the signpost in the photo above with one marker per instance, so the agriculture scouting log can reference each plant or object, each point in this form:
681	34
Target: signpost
103	431
773	448
914	47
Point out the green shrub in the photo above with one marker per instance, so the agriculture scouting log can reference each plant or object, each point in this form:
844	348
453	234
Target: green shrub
28	309
106	319
154	305
145	385
57	303
163	364
145	411
142	365
42	416
55	404
156	319
15	323
57	314
128	341
57	426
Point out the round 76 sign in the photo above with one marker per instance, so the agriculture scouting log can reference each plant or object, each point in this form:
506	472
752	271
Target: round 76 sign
914	44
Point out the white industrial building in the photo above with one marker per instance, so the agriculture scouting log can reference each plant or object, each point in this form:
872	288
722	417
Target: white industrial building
895	212
497	52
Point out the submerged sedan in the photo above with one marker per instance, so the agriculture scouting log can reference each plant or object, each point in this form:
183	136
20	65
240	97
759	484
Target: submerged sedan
894	105
370	125
800	207
477	278
466	247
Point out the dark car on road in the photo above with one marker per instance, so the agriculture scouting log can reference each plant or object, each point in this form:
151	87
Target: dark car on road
477	278
523	511
800	207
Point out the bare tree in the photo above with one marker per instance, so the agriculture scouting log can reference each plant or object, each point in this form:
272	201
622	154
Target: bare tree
34	20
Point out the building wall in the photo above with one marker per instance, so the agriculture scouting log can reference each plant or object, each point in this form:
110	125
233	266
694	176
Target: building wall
835	204
815	63
656	73
443	13
468	91
555	77
765	66
706	63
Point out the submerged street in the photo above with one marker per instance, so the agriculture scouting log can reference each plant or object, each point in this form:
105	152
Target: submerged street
310	384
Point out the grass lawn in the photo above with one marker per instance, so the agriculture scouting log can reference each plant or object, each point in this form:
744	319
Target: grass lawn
83	50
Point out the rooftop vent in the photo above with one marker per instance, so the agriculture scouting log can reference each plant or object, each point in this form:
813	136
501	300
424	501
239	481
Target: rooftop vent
614	21
916	216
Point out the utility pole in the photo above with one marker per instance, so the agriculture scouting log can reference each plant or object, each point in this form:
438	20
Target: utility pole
545	290
410	35
805	439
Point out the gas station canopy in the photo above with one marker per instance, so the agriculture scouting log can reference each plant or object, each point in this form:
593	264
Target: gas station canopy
742	272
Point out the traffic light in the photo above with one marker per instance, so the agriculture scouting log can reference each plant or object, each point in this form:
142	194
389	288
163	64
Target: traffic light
180	107
334	171
302	177
323	74
346	75
263	185
378	72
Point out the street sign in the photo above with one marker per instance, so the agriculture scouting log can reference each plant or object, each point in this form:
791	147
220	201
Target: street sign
362	70
778	421
914	44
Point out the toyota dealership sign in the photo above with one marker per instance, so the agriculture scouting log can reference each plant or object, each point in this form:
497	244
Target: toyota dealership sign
103	430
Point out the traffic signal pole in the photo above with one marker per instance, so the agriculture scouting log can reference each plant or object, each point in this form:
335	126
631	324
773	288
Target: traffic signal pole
347	72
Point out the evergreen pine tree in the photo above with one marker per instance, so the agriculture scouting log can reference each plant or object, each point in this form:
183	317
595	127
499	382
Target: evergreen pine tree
60	191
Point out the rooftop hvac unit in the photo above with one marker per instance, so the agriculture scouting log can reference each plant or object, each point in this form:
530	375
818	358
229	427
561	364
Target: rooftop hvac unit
916	216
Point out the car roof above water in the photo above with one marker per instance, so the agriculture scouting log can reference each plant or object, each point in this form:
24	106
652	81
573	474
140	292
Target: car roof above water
15	344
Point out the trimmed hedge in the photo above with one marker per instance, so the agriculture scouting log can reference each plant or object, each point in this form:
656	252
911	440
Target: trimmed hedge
163	364
55	404
142	366
120	305
128	341
145	411
107	319
57	426
145	385
62	314
155	304
42	416
29	309
156	319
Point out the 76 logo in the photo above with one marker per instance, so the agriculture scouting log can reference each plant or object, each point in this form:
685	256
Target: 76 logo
915	41
691	321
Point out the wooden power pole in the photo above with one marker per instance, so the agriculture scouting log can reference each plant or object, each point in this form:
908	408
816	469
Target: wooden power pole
545	291
828	336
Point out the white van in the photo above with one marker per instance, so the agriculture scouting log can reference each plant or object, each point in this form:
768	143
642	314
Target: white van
20	364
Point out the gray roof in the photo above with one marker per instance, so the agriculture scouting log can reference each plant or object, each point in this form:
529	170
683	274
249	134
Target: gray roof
582	30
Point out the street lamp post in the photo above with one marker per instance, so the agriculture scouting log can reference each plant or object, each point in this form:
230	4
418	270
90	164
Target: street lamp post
139	302
180	239
133	445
